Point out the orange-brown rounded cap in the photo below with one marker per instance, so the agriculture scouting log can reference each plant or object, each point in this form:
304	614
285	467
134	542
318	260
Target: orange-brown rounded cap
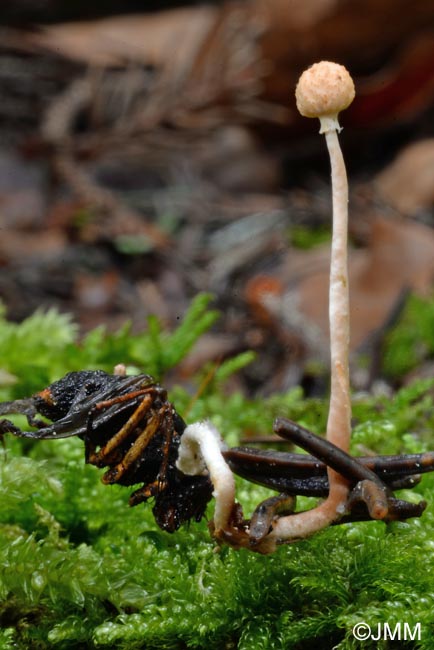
324	90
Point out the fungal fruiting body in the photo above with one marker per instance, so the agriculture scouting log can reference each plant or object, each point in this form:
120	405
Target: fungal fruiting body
323	91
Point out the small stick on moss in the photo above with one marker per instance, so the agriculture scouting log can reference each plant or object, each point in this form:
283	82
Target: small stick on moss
323	91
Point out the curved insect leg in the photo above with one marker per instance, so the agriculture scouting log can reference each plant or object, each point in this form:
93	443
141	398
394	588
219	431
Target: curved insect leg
303	474
115	473
401	466
374	491
288	473
135	452
369	489
404	482
110	450
325	451
264	514
375	468
400	509
20	407
164	420
397	509
374	496
166	414
6	426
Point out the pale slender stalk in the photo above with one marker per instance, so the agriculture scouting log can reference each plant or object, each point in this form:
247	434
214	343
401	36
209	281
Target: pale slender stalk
200	450
339	419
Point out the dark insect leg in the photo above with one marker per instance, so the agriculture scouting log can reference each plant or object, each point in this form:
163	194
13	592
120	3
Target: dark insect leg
266	511
23	407
401	466
165	422
373	495
6	426
346	465
369	488
273	463
398	510
166	415
128	397
305	475
114	474
102	457
143	493
404	483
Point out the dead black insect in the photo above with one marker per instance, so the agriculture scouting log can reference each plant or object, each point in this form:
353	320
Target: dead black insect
129	427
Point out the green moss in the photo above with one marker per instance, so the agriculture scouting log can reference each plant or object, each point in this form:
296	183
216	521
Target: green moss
44	347
306	238
80	569
411	341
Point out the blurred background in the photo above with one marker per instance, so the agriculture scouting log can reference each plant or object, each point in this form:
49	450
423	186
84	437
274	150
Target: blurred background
152	150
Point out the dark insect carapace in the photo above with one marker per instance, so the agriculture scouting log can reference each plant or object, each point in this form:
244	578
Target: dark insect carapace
129	427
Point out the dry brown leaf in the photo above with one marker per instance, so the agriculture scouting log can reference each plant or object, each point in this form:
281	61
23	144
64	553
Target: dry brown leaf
408	182
400	256
202	55
148	39
19	245
213	56
364	35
